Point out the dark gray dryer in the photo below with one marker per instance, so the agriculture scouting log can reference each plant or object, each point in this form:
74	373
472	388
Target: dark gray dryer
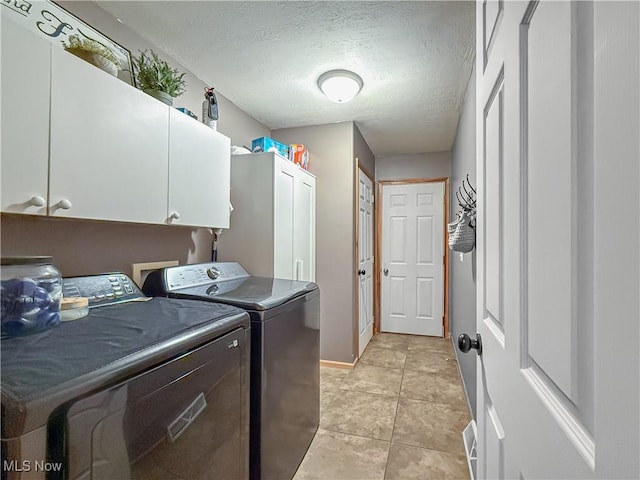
285	362
141	388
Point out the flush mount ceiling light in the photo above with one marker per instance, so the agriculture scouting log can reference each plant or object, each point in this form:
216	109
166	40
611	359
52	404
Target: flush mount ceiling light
340	86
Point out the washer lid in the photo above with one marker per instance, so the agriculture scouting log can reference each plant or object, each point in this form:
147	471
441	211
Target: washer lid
251	293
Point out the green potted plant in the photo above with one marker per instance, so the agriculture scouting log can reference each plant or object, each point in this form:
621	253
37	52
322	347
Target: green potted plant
93	52
156	78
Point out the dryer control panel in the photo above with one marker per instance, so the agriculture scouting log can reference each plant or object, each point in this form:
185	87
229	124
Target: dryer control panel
101	290
201	274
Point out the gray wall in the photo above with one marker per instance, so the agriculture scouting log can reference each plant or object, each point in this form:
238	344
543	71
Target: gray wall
462	293
86	247
420	165
363	153
331	154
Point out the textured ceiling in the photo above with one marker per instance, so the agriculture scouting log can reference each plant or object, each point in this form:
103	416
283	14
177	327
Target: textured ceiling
415	59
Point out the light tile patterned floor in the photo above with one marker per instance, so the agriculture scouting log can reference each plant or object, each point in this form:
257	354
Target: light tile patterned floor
398	415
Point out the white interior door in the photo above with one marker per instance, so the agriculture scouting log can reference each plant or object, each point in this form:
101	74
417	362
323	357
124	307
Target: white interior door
557	152
412	264
365	260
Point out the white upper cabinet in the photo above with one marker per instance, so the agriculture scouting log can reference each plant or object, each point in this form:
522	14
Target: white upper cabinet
199	164
273	224
26	67
109	146
80	143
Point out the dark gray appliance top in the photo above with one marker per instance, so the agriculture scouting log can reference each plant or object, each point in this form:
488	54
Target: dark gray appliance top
44	370
225	282
250	293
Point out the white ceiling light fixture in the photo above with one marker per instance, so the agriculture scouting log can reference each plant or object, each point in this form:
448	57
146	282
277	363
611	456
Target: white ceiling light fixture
340	86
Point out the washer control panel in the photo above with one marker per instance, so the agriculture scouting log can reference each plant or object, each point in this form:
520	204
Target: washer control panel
104	289
201	274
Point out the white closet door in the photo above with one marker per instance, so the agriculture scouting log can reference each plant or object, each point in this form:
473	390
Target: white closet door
304	227
284	201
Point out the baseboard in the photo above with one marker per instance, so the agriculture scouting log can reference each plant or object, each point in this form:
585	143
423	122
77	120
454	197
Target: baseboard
331	363
464	385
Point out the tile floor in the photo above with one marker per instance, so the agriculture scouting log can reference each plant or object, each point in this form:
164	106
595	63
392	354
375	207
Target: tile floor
398	415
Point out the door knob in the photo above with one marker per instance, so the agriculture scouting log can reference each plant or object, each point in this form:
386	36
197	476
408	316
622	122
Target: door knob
386	272
466	343
362	272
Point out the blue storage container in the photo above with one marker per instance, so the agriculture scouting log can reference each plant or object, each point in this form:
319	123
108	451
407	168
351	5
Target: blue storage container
266	144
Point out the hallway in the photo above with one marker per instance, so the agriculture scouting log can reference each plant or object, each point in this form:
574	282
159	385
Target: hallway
398	414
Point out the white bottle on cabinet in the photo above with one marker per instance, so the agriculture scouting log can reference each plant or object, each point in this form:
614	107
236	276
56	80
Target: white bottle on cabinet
273	226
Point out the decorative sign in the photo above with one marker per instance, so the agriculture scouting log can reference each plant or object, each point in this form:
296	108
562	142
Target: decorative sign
53	22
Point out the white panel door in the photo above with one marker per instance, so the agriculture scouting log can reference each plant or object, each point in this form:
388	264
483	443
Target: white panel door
365	261
304	235
109	146
558	113
412	288
283	218
26	84
199	173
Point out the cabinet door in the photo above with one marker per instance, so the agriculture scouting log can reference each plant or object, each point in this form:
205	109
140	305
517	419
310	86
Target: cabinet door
283	220
304	235
26	78
109	146
199	173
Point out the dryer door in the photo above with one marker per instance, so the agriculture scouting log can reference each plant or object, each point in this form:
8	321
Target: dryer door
185	419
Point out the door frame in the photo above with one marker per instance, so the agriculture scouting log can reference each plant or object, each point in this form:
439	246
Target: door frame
377	248
356	265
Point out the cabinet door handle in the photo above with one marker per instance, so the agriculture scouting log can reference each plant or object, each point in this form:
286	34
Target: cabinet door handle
175	216
64	204
37	201
298	269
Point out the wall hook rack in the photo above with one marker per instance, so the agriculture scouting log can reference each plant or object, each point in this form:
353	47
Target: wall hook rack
466	196
462	235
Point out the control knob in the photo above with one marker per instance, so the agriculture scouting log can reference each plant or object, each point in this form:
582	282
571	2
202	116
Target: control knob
213	273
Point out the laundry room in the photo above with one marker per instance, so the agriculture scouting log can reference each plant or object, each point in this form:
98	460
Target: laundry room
284	240
106	226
